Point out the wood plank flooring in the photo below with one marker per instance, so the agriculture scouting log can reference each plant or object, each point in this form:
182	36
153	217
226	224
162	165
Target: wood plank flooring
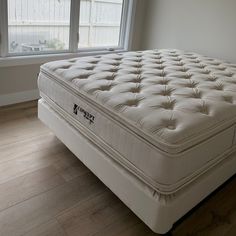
46	190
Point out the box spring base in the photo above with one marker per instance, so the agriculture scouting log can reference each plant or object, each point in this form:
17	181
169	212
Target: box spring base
158	211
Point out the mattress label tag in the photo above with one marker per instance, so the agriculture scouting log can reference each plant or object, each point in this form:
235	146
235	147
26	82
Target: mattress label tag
86	114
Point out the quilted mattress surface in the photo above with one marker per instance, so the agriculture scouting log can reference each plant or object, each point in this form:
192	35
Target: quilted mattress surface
174	110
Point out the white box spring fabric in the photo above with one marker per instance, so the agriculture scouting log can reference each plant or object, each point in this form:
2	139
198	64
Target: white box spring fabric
166	115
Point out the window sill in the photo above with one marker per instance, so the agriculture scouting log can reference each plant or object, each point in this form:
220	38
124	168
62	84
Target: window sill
41	59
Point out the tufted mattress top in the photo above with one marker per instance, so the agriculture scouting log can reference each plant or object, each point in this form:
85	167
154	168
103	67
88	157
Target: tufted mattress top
170	100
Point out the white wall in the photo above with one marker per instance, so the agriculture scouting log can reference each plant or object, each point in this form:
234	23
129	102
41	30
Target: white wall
139	24
204	26
18	84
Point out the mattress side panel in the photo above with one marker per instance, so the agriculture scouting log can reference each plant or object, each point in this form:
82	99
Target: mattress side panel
149	163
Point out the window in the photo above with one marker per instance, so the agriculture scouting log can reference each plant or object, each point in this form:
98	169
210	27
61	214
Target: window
100	22
38	25
54	26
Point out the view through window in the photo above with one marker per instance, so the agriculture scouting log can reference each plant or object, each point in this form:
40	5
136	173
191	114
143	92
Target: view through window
100	23
38	25
44	25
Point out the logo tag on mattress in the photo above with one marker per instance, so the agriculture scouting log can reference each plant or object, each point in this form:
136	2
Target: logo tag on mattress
86	115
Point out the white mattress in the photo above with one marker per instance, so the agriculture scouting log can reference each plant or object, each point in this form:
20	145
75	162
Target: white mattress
166	115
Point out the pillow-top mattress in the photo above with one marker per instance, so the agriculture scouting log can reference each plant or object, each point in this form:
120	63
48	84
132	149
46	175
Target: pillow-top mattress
165	115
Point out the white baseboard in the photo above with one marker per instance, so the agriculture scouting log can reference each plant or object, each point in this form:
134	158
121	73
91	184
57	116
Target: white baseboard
24	96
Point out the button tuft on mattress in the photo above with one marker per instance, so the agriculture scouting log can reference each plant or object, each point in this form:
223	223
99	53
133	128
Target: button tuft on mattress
228	99
192	84
219	87
212	78
204	109
132	103
169	105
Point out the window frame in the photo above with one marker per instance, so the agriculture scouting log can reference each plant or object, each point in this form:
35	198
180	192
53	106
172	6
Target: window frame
126	31
3	29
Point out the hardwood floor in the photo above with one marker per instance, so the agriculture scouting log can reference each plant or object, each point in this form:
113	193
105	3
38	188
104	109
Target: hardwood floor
46	190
